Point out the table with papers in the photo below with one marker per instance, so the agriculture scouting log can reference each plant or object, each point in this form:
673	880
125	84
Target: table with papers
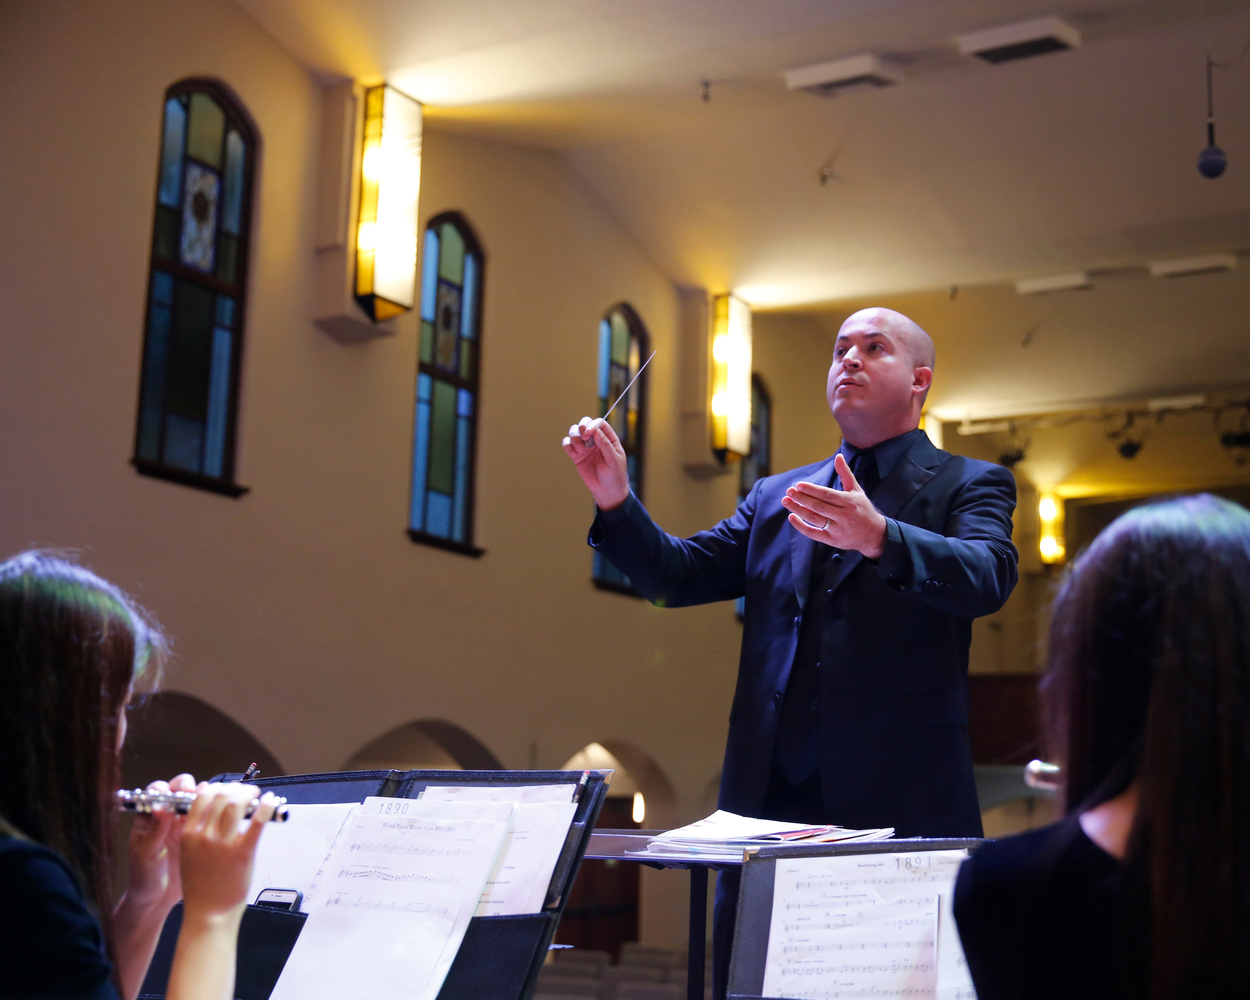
724	841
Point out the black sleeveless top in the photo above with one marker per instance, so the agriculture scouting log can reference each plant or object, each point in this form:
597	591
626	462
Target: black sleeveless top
1050	914
51	945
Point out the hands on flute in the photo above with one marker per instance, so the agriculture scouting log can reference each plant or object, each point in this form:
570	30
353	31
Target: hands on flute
154	799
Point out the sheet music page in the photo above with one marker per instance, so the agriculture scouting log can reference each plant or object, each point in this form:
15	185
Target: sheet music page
289	854
392	901
518	883
857	925
954	981
499	793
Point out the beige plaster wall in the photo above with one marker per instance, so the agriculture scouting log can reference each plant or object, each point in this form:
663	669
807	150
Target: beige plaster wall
302	610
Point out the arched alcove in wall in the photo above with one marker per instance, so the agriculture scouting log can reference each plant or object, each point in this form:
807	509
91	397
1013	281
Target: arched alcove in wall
603	908
428	744
171	732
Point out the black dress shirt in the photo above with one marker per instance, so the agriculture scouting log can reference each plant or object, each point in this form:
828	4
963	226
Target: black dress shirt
1050	914
797	750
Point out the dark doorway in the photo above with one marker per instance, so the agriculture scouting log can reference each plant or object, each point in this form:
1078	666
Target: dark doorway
602	910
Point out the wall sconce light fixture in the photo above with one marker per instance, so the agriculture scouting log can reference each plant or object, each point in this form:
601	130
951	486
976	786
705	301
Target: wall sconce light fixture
1050	514
390	181
731	377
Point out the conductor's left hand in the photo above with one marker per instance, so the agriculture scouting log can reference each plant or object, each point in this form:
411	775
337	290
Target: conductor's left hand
845	519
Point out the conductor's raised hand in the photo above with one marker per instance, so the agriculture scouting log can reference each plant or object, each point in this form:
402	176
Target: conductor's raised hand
845	519
599	457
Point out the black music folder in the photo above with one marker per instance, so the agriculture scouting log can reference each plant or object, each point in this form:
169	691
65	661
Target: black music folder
500	956
760	890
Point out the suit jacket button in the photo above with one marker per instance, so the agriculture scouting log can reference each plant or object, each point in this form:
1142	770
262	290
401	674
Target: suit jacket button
797	620
776	697
814	705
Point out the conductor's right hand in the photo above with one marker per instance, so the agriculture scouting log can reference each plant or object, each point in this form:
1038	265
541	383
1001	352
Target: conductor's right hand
597	453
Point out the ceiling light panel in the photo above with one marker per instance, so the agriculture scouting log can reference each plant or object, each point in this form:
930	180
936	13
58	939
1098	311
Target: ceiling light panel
1020	41
1066	282
841	76
1179	267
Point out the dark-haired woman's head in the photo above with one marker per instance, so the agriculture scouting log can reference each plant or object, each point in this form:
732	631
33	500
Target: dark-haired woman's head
72	649
1149	683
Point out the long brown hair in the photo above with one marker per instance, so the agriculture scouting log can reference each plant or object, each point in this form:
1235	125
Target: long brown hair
71	647
1149	681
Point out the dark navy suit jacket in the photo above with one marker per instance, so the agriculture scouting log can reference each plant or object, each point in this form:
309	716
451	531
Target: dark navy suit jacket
894	651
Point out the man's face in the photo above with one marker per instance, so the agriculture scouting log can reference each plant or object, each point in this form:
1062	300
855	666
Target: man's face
873	375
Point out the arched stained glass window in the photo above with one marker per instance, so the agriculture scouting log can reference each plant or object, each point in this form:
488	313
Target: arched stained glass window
445	433
189	386
758	463
623	347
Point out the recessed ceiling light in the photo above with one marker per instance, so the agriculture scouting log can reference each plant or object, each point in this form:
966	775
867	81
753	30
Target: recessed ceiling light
1020	41
866	72
1067	282
1179	267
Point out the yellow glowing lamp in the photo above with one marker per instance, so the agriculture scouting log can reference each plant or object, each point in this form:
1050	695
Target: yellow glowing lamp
731	376
390	181
1050	515
640	808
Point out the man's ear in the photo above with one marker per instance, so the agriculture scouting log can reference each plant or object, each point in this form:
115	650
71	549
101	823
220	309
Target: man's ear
921	378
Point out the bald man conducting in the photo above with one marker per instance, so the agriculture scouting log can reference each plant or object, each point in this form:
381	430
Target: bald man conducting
862	575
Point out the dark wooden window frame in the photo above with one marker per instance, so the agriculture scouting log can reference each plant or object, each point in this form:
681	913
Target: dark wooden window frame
238	118
636	329
474	385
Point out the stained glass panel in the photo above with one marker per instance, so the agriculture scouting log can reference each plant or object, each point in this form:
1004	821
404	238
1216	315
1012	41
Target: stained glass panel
429	275
438	514
199	218
451	254
228	258
421	441
427	342
208	122
171	153
218	402
442	438
190	350
447	326
470	296
165	235
184	441
232	199
156	355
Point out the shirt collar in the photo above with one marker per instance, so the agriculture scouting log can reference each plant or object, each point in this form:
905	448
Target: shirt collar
887	453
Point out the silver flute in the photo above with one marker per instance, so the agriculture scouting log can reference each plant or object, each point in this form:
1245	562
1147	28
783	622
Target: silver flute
142	801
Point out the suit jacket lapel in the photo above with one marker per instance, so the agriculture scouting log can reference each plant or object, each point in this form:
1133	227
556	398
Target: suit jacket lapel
802	548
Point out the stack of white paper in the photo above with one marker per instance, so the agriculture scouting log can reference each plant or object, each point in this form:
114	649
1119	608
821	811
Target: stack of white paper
390	885
390	905
540	825
725	835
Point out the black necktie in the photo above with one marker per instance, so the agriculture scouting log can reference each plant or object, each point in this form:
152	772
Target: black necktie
864	469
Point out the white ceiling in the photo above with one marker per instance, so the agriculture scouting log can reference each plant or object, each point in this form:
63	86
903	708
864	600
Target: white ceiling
964	174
